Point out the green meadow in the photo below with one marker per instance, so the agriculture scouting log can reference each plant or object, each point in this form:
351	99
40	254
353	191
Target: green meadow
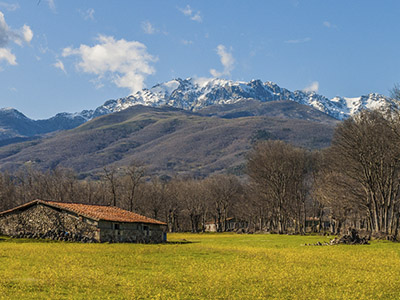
200	266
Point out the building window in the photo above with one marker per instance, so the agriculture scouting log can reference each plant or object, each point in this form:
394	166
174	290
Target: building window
146	230
116	226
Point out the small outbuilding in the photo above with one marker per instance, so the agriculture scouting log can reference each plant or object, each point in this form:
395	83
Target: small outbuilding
80	222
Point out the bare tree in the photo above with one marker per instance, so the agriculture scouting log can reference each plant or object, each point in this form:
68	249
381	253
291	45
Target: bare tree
223	193
193	196
154	197
278	170
134	175
173	206
110	175
364	168
395	92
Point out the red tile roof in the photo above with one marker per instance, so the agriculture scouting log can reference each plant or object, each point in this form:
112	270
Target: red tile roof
95	212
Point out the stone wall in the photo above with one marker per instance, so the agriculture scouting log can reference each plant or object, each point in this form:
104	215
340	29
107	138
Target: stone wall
131	232
41	221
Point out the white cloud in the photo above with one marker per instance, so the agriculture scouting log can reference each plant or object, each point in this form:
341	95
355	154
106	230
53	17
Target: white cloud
8	35
9	6
5	54
187	11
125	63
148	28
313	87
27	33
51	5
4	31
329	24
187	42
299	41
227	62
88	14
193	15
196	17
59	65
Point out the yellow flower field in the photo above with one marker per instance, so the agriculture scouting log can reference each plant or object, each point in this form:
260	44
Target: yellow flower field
200	266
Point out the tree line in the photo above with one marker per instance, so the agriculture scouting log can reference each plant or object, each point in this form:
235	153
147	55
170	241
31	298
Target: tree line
185	204
353	183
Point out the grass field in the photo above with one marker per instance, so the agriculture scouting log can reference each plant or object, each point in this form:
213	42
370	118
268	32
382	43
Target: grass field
203	266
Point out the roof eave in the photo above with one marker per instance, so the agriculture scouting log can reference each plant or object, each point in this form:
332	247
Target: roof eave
54	205
133	222
19	207
48	203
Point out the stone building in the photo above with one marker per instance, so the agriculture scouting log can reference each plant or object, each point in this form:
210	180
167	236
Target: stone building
232	224
80	222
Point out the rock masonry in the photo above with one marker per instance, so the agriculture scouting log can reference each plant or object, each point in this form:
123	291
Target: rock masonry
42	222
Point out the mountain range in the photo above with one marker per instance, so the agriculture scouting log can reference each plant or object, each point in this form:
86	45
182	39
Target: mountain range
172	141
193	127
191	95
194	94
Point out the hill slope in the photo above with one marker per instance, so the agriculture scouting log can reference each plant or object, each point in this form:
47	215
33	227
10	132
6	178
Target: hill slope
173	141
16	127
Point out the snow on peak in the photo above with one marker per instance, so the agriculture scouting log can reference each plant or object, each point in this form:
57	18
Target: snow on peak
166	88
196	93
12	112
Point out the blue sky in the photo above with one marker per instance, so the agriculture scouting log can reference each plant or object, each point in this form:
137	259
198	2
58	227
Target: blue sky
72	55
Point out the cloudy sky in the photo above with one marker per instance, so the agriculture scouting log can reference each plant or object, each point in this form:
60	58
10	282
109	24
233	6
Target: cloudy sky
72	55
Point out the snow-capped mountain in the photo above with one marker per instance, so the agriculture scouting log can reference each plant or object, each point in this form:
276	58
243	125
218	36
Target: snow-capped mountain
194	94
190	94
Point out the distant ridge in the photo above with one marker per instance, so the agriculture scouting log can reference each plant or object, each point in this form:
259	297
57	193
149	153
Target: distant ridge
193	95
172	141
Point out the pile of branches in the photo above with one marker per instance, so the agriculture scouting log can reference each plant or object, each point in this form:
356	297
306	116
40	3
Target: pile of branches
352	238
